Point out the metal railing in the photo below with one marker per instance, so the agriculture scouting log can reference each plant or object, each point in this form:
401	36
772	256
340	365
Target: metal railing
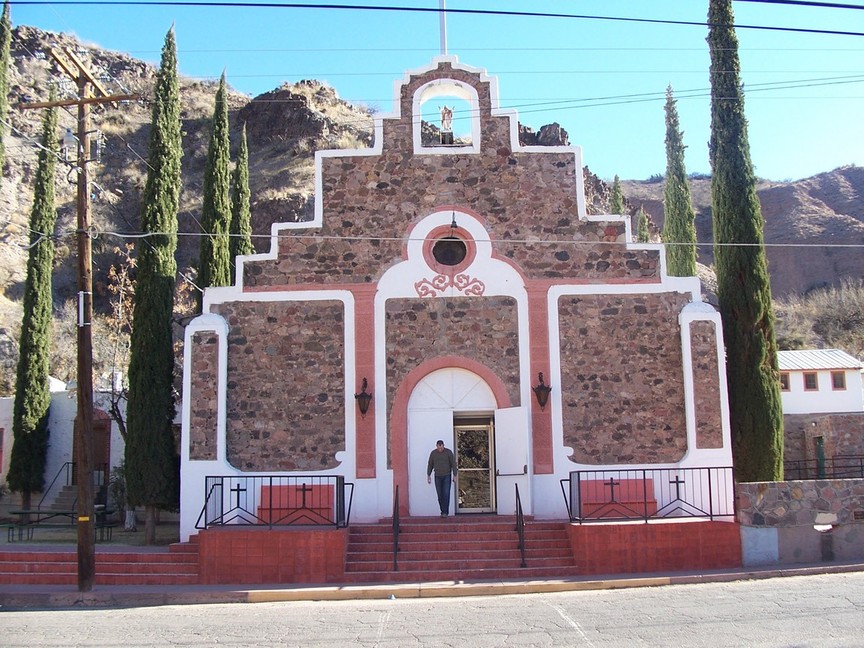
838	467
272	501
649	494
396	530
67	470
520	527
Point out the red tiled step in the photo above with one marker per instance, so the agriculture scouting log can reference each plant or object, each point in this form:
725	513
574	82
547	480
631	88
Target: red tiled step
458	548
177	566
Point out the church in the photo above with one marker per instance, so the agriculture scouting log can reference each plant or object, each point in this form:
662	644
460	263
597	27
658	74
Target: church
452	287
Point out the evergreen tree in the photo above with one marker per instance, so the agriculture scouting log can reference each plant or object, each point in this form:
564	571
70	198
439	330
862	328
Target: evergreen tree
616	198
32	395
643	232
241	219
742	270
215	261
5	44
152	478
679	224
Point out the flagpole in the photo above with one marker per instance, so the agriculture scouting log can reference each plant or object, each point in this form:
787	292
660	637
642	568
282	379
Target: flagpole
442	15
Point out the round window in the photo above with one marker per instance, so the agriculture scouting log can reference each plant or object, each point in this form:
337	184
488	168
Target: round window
449	251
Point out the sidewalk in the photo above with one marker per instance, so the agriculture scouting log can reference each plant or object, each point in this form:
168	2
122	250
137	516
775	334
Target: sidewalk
60	596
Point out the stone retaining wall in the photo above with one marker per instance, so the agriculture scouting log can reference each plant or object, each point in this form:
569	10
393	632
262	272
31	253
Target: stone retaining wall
801	521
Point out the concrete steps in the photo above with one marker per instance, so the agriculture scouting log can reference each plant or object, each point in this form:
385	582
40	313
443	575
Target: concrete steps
457	548
176	565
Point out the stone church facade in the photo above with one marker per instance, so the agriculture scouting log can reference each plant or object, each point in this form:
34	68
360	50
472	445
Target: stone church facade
453	279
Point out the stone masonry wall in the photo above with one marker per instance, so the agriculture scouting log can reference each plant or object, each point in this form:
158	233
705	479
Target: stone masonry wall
706	392
621	384
480	328
203	396
798	503
797	522
370	202
842	434
286	385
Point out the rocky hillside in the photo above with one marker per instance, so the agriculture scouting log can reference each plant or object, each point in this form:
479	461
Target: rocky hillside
825	210
285	126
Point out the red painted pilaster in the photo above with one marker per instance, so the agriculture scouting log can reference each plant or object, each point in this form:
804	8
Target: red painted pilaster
364	363
538	336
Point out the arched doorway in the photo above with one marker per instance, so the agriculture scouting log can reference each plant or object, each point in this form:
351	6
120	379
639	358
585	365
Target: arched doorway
457	406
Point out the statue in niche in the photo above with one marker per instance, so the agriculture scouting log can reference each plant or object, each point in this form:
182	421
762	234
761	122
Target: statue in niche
446	124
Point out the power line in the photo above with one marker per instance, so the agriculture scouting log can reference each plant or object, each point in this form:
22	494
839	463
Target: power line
804	3
435	10
401	239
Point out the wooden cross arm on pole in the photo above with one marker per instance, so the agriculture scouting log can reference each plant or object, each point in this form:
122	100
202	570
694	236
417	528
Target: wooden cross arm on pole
75	68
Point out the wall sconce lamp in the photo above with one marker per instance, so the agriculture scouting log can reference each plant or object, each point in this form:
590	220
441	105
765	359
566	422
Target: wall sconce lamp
363	399
541	391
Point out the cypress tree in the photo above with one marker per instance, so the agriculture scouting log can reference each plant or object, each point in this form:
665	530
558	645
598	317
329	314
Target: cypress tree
241	219
215	261
152	479
643	233
679	224
5	44
742	270
32	395
616	198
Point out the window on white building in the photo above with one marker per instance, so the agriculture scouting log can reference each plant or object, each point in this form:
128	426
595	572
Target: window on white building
811	381
838	380
784	381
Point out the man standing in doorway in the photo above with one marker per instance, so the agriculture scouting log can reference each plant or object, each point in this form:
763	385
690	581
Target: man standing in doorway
442	462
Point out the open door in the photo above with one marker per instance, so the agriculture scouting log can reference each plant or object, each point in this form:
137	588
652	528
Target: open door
475	460
512	434
425	427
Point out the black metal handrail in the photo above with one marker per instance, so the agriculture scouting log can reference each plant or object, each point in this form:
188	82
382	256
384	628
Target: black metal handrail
69	469
520	527
649	494
276	500
396	529
838	467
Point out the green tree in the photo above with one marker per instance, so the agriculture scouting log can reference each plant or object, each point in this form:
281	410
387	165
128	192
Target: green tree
743	287
616	198
215	260
241	218
679	223
643	232
32	395
152	478
5	43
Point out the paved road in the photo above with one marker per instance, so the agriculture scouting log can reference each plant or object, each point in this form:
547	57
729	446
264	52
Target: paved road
801	611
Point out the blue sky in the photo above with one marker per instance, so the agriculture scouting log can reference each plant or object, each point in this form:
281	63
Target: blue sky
805	92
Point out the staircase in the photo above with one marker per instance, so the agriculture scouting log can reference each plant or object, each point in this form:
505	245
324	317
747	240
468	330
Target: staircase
460	548
176	565
66	499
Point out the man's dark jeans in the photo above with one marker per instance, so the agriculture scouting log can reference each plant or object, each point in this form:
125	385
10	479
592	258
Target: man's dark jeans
442	485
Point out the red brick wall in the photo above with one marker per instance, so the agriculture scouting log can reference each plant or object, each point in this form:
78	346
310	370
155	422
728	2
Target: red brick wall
621	381
639	548
244	555
286	384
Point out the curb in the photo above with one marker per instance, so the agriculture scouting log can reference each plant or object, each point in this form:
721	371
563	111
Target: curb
24	597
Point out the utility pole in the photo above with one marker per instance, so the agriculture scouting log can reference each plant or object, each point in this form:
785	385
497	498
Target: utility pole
90	91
